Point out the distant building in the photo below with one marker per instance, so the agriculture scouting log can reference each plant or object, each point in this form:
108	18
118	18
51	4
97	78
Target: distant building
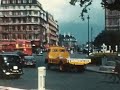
68	41
52	30
27	20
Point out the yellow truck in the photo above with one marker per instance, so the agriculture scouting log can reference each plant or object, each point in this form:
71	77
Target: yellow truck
59	56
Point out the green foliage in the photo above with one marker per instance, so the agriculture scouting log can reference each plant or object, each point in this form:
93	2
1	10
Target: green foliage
111	37
104	3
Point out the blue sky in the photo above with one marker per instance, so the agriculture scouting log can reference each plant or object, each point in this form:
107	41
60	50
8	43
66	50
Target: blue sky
69	20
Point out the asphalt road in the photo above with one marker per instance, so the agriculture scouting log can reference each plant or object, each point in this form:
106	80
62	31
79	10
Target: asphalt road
56	80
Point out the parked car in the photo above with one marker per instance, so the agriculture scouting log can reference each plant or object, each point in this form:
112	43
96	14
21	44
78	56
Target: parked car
29	61
108	67
10	65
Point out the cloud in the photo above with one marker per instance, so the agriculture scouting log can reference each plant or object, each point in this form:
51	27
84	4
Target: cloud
61	10
64	12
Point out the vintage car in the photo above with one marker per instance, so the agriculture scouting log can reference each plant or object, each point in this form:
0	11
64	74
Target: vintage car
10	65
29	61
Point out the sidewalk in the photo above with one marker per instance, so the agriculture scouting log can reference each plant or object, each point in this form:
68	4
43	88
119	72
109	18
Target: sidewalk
92	68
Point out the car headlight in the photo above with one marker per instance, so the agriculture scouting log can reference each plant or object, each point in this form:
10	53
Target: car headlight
4	71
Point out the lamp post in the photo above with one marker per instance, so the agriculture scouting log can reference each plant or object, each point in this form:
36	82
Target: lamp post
88	33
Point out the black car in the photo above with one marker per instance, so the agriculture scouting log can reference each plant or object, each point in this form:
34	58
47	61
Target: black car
29	61
10	65
19	53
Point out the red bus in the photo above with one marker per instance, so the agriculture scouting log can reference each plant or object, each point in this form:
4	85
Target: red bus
21	45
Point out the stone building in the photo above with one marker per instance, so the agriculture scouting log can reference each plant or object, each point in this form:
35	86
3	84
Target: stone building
68	41
112	20
52	31
27	20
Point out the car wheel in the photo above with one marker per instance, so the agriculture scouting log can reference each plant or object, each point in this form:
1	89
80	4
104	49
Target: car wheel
61	66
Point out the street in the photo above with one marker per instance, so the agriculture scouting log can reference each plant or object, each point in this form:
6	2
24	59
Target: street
56	80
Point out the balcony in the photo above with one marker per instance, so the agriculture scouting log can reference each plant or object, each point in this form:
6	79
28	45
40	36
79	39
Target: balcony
22	23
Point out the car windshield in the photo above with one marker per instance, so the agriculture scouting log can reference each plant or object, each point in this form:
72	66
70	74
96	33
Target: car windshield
62	50
11	59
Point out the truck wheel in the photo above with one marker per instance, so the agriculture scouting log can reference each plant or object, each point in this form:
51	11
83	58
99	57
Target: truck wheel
82	69
61	66
46	61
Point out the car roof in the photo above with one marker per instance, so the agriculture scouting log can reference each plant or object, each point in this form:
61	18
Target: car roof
28	56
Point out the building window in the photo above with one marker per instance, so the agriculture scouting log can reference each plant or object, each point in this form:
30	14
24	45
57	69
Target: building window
19	7
19	1
36	19
8	1
13	7
29	12
29	19
24	1
24	20
24	27
14	1
36	12
4	1
24	12
30	1
30	27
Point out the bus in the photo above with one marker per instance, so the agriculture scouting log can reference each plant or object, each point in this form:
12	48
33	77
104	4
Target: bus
17	45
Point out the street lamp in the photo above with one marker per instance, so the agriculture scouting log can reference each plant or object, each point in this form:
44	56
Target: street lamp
88	33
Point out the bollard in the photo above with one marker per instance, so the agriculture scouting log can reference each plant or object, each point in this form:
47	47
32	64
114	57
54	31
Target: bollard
41	78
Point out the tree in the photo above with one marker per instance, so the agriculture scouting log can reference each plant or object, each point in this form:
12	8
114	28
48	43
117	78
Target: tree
110	37
109	4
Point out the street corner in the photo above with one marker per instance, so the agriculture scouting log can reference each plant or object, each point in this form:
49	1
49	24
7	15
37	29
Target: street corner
93	68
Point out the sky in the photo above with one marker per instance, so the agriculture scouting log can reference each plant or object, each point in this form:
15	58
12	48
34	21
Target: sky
69	19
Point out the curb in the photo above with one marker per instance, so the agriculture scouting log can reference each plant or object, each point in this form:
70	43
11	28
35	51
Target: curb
93	70
99	71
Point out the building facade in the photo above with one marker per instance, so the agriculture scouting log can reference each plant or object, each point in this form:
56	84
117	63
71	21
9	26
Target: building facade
52	30
112	20
68	41
25	19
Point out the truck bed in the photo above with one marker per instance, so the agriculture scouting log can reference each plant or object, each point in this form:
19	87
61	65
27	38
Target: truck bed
78	61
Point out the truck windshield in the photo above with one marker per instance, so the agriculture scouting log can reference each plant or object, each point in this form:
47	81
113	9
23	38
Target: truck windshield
62	50
11	59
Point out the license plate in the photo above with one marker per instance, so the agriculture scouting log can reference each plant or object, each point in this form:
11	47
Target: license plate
15	67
